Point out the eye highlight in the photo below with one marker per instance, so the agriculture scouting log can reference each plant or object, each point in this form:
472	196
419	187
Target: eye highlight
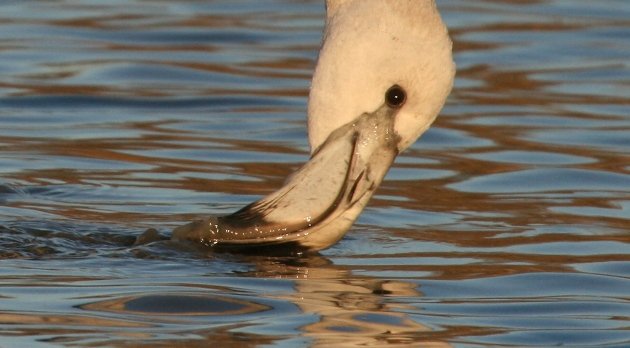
395	97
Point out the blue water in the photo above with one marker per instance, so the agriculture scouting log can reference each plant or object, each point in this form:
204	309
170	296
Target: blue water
507	224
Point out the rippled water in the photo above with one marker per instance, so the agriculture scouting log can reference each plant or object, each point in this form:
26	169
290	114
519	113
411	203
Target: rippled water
507	224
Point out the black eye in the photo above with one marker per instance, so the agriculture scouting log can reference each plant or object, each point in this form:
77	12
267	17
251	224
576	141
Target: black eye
395	97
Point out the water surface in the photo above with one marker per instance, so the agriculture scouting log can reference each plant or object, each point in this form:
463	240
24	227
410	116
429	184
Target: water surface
506	225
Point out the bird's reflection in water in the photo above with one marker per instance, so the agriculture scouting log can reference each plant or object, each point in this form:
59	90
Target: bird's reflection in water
351	310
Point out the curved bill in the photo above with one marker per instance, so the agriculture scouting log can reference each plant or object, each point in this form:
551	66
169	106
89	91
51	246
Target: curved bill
319	202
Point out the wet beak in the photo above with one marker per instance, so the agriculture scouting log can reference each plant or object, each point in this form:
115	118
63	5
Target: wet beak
318	203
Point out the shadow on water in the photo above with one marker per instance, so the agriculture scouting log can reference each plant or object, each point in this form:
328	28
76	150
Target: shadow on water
505	225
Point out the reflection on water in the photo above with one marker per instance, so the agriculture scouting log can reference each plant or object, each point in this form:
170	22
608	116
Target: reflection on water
505	225
176	304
